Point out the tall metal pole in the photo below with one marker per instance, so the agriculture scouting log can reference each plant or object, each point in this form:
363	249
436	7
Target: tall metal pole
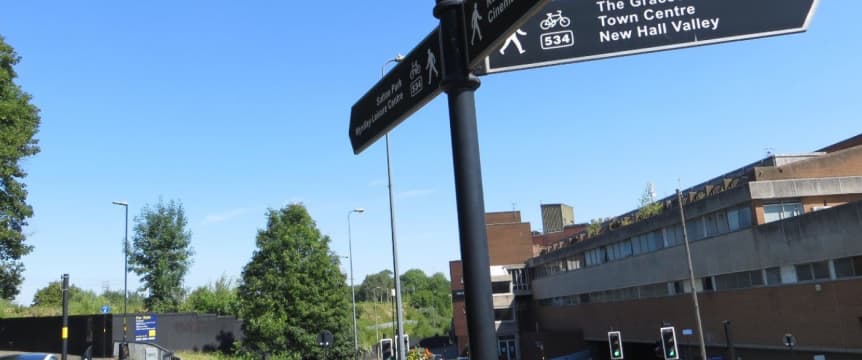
402	355
460	86
691	277
352	288
64	332
125	268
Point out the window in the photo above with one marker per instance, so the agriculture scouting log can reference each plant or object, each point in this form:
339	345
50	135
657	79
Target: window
658	238
573	263
782	210
812	271
744	217
694	228
715	223
707	284
673	235
844	268
626	248
519	279
739	280
596	257
503	315
636	246
500	287
733	219
654	290
773	276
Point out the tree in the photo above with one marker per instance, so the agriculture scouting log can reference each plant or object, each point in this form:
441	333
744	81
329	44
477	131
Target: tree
375	286
292	289
52	295
19	123
648	206
162	252
217	298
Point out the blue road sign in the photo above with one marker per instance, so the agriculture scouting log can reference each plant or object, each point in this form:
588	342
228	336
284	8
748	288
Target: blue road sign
106	309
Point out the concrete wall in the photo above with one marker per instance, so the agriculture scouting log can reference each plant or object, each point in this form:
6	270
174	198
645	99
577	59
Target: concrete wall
846	162
797	188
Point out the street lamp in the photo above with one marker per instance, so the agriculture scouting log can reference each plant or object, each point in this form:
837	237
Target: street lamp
402	355
125	266
352	289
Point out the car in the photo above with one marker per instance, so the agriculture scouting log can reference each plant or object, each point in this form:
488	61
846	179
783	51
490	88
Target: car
29	356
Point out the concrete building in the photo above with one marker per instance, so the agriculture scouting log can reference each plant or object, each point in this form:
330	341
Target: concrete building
776	248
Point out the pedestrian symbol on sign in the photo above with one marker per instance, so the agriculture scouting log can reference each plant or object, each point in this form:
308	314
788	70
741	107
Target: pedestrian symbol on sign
513	39
431	66
476	30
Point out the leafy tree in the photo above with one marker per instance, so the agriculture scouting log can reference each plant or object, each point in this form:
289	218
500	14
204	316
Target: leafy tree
292	289
375	286
19	122
217	298
114	299
648	206
162	254
52	295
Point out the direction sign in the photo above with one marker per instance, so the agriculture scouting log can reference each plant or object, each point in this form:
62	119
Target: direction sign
491	22
106	309
567	31
406	88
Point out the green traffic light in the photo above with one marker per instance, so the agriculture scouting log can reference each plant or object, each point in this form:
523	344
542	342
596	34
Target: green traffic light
616	353
671	353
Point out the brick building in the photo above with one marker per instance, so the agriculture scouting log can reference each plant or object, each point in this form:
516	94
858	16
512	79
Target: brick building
776	248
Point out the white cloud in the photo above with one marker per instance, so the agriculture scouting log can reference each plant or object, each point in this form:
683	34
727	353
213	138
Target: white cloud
225	216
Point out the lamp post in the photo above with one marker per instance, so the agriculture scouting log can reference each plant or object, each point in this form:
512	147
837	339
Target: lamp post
352	289
125	266
398	313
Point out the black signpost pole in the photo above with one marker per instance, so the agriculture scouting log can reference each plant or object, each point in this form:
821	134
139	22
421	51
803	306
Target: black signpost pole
460	86
64	332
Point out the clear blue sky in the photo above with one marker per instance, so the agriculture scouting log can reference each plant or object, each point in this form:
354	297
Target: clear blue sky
234	108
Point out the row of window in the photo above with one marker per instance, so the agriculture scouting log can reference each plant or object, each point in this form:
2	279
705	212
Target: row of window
822	270
712	224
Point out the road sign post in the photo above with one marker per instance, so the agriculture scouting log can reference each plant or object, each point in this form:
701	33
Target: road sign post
460	54
567	31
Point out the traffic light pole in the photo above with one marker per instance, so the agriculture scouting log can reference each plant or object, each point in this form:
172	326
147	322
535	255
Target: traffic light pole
460	86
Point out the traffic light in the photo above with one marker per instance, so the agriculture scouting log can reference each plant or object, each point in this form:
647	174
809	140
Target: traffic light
386	349
668	343
615	341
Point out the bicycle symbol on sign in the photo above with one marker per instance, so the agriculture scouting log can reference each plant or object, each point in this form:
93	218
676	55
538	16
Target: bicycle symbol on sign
555	19
415	70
